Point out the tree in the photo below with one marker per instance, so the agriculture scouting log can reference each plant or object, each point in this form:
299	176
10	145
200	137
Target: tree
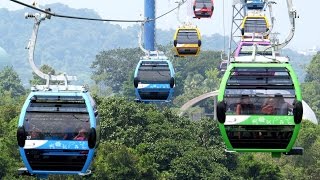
39	81
111	68
311	88
116	161
200	163
10	81
254	168
313	70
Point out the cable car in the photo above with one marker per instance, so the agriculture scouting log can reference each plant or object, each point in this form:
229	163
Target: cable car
58	132
203	8
187	41
260	106
255	4
253	25
223	66
154	80
246	48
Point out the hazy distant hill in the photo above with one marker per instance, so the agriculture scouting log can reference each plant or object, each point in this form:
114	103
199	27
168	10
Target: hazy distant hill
71	45
299	62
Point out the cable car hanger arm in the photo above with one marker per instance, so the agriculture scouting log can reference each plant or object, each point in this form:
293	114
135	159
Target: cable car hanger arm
31	48
292	16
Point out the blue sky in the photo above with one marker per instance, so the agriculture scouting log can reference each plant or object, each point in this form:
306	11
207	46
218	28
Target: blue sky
307	28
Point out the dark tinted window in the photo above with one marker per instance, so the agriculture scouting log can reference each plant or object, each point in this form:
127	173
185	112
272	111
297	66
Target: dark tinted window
203	4
259	137
57	118
255	25
267	91
246	50
187	36
154	73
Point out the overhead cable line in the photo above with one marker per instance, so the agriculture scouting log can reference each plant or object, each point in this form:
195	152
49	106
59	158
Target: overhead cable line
93	19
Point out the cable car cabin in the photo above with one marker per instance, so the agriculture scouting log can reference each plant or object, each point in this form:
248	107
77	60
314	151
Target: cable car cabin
58	132
223	66
154	81
255	4
203	8
187	42
255	25
259	107
245	48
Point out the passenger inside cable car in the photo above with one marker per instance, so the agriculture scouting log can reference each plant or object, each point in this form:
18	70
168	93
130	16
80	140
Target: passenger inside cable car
259	130
245	106
261	88
203	8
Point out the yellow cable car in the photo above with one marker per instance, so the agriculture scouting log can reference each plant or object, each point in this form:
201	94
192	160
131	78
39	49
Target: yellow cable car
254	25
187	41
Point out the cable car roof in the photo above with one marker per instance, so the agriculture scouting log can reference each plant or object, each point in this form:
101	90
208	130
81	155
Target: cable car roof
155	55
254	37
59	88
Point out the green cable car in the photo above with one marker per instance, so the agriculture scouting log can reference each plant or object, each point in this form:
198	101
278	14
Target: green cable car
260	106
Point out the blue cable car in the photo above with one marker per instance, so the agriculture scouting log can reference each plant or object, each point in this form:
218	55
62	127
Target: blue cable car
255	4
58	132
154	80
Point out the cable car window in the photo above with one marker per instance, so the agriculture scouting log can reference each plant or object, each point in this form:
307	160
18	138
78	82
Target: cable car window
189	36
56	126
223	65
154	73
262	78
260	137
267	91
203	3
264	50
257	25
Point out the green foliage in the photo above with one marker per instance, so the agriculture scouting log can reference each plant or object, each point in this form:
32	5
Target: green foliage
10	81
112	68
145	141
309	139
200	163
39	81
313	70
298	61
159	143
116	161
253	168
311	94
311	88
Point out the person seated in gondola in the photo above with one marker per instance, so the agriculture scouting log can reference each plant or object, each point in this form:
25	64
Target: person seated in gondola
245	106
282	106
35	134
81	136
269	107
69	132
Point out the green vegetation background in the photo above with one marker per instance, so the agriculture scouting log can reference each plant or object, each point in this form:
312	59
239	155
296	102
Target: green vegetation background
142	141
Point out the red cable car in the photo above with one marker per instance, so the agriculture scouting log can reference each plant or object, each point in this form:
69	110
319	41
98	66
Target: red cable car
203	8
